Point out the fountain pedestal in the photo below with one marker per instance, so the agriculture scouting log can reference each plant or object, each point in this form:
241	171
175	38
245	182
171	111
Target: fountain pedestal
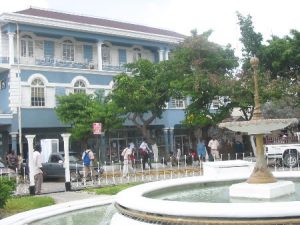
262	191
222	169
261	183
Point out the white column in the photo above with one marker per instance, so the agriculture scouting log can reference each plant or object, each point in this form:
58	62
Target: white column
0	43
11	48
30	159
167	54
66	138
99	46
161	55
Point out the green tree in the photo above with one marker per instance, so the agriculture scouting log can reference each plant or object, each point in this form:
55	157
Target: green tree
279	70
80	111
203	66
281	57
143	94
251	40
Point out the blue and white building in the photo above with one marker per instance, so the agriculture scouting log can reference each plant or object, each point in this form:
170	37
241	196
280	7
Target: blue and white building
46	53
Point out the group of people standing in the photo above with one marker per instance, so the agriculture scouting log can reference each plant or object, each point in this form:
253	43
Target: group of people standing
129	157
204	154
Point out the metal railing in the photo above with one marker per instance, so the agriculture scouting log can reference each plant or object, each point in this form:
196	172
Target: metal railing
162	169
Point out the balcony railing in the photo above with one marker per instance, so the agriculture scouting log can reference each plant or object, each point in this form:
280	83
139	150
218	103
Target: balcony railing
64	63
54	62
117	68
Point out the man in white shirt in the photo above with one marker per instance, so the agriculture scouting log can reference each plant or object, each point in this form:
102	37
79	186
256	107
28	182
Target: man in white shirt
213	144
37	169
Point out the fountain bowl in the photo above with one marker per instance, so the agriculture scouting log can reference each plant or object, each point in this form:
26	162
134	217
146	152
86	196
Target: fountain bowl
134	207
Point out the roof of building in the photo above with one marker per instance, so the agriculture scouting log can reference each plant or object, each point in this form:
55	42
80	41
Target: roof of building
96	21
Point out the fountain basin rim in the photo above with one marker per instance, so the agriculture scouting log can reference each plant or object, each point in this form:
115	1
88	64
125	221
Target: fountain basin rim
138	202
55	210
258	126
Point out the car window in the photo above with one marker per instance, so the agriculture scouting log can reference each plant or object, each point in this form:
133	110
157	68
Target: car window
54	159
72	157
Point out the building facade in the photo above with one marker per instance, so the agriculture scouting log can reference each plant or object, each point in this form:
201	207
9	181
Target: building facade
44	54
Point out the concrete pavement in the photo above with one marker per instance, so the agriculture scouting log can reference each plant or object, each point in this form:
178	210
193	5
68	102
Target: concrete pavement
56	190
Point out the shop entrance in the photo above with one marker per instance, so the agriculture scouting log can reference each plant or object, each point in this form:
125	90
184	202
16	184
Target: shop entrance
183	141
116	146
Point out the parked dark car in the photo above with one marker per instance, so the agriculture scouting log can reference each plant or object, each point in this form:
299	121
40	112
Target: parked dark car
54	167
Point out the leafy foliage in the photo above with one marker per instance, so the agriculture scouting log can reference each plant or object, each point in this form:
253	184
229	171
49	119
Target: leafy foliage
251	40
7	186
80	111
143	94
281	57
204	66
279	72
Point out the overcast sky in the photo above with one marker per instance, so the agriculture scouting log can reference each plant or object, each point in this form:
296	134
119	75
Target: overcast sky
276	17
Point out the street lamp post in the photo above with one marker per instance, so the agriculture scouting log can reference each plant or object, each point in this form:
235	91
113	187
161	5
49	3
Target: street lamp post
261	173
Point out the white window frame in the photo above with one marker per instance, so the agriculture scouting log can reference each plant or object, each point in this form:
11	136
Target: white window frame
37	93
79	87
27	46
105	54
68	50
177	103
137	54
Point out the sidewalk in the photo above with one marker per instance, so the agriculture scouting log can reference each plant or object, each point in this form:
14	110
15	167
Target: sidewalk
68	196
56	190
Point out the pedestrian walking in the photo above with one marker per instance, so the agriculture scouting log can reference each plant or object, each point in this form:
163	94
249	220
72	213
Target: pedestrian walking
213	144
87	158
201	151
146	152
126	153
37	169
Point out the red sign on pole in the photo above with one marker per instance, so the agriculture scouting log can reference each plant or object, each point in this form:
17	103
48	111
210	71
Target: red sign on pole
97	128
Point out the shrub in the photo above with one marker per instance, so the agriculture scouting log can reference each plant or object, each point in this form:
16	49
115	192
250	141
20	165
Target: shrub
7	186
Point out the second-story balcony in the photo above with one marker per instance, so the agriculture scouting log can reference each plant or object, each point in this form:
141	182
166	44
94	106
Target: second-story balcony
56	62
70	53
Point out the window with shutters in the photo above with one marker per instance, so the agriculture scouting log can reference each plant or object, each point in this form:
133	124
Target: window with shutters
48	49
88	53
122	57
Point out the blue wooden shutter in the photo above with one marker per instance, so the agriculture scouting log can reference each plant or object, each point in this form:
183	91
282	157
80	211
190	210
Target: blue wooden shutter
88	53
48	49
122	57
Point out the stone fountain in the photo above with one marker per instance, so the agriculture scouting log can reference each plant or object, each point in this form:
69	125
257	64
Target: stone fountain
259	126
136	206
